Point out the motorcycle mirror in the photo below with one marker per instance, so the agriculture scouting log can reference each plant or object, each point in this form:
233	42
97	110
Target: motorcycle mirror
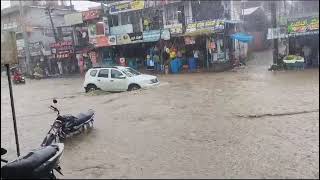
3	151
54	101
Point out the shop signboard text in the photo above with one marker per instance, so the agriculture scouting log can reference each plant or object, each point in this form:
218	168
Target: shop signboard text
126	6
124	29
174	28
154	35
303	25
215	25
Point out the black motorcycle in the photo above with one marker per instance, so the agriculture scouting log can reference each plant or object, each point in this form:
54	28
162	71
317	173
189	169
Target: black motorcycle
37	164
66	126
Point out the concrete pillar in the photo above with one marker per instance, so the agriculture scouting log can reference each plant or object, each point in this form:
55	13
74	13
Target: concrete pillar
190	12
119	19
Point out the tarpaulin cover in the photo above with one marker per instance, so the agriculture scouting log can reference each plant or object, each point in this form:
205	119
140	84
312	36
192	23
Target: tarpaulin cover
243	37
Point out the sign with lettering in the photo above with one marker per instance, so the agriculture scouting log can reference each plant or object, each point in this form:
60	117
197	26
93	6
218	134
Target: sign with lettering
36	48
123	29
91	14
174	28
126	6
302	25
215	25
62	49
154	35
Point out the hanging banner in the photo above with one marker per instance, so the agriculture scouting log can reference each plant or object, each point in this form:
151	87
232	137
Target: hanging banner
126	6
154	35
91	14
303	25
174	28
36	48
73	19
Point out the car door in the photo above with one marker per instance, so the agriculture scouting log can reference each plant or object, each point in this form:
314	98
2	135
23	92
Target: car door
119	81
103	80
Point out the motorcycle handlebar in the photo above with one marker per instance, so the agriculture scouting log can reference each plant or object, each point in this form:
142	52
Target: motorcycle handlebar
55	109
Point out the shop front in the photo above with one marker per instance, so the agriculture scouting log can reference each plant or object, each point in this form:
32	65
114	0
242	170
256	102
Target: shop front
205	46
63	57
303	35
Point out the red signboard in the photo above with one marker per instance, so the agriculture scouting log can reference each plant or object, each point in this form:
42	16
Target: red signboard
62	49
102	41
91	14
61	44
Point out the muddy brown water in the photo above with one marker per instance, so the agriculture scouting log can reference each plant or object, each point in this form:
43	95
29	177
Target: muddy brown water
189	127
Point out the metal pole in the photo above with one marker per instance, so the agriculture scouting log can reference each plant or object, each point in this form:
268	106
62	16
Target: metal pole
25	38
160	48
52	25
13	110
274	25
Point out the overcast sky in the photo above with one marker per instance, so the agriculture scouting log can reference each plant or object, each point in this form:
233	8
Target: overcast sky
78	5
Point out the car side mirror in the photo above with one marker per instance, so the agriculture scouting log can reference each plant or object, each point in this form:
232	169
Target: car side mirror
122	77
54	101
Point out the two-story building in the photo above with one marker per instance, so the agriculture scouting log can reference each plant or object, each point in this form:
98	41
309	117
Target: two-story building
137	27
37	26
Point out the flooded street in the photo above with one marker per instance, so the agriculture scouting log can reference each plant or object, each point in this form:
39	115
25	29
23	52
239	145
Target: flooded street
197	125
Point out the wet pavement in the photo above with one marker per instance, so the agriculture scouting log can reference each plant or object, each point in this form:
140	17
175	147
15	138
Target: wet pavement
198	125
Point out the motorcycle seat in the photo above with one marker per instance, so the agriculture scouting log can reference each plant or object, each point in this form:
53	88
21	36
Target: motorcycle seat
83	117
23	167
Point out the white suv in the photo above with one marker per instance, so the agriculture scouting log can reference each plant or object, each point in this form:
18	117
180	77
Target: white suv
117	78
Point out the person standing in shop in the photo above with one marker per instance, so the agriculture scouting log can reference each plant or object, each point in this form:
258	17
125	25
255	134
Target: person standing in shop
59	62
196	57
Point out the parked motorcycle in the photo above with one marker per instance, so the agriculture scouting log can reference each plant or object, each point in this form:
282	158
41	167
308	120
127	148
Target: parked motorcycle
66	126
17	77
37	164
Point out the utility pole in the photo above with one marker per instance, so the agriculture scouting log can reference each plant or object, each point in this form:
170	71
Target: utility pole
274	26
52	25
25	38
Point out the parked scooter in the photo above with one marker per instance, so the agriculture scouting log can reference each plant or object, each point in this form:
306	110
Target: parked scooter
37	164
17	77
66	126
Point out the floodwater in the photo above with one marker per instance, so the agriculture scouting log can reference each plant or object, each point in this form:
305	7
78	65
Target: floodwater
191	126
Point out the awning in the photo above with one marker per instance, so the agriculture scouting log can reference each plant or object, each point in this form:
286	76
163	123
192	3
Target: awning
243	37
249	11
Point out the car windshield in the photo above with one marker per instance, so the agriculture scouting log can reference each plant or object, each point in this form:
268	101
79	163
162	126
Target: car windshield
130	72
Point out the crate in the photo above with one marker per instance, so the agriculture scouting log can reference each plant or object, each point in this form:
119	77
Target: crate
295	66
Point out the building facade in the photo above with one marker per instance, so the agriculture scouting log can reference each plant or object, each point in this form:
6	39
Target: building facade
37	26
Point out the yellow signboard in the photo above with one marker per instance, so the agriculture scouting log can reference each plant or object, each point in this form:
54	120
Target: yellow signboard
138	4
